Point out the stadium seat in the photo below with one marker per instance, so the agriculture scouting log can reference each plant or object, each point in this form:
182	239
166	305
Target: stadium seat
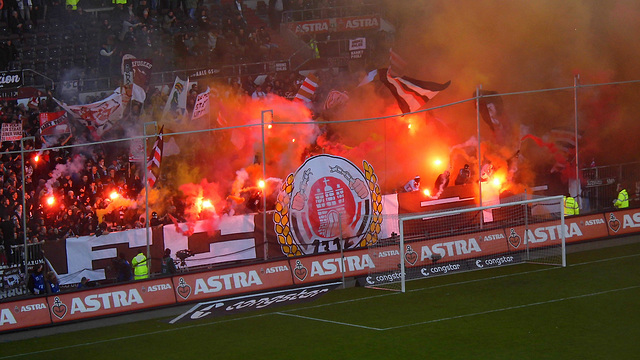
30	40
42	39
41	66
42	53
29	54
55	52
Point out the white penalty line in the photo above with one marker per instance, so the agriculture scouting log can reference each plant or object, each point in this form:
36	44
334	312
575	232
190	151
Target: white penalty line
329	321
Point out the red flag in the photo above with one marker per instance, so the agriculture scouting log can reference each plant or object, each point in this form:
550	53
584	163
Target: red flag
54	127
153	163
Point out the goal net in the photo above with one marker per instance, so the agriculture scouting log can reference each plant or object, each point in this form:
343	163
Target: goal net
517	230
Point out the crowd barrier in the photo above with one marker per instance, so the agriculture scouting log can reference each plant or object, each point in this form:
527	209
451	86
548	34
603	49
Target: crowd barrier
301	271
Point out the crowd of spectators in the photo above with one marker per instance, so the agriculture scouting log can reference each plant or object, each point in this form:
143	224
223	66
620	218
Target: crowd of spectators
175	34
81	183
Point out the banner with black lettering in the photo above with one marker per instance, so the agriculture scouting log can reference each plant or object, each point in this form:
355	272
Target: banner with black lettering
54	128
11	132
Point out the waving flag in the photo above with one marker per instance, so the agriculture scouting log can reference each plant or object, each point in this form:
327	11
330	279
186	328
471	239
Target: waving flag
396	63
177	101
202	105
308	88
54	128
411	94
335	98
155	158
99	117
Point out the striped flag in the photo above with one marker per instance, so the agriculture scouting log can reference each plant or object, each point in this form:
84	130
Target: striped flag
153	163
396	63
411	94
308	88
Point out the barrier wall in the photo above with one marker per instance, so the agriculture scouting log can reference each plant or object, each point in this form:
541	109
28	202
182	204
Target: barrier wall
141	295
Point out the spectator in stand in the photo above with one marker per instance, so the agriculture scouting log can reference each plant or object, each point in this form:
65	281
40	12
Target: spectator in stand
168	265
107	58
204	23
190	8
464	175
15	23
258	94
170	23
36	283
123	268
53	285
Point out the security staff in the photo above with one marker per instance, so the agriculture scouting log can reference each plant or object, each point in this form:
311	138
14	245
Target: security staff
622	202
140	268
571	206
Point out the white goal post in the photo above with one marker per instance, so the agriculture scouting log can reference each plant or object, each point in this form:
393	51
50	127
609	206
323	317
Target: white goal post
515	231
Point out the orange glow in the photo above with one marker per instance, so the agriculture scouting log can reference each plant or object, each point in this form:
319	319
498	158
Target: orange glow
426	192
497	182
437	162
114	195
36	158
51	200
409	126
261	184
269	126
206	204
293	140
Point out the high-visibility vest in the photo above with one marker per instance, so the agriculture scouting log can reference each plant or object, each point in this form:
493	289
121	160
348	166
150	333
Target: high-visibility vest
622	201
140	268
571	206
73	3
314	46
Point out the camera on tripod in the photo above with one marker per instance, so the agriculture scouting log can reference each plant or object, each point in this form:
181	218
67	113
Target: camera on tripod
183	255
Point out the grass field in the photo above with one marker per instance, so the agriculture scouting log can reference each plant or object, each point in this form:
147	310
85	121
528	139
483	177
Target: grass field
588	310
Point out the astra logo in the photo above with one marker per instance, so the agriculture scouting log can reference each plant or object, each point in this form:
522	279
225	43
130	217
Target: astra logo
313	27
493	237
335	265
359	23
32	307
594	222
158	287
451	248
276	269
105	301
227	282
552	233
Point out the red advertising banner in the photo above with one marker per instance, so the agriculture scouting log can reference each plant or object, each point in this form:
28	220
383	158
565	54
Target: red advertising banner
365	22
330	266
547	233
623	222
111	300
23	314
456	247
232	281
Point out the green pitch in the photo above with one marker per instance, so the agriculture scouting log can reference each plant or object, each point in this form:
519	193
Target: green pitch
588	310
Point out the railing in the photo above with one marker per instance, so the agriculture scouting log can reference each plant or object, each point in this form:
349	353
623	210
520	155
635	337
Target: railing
326	13
168	77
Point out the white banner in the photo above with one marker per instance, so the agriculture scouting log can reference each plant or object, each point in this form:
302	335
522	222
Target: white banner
201	108
11	132
358	44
